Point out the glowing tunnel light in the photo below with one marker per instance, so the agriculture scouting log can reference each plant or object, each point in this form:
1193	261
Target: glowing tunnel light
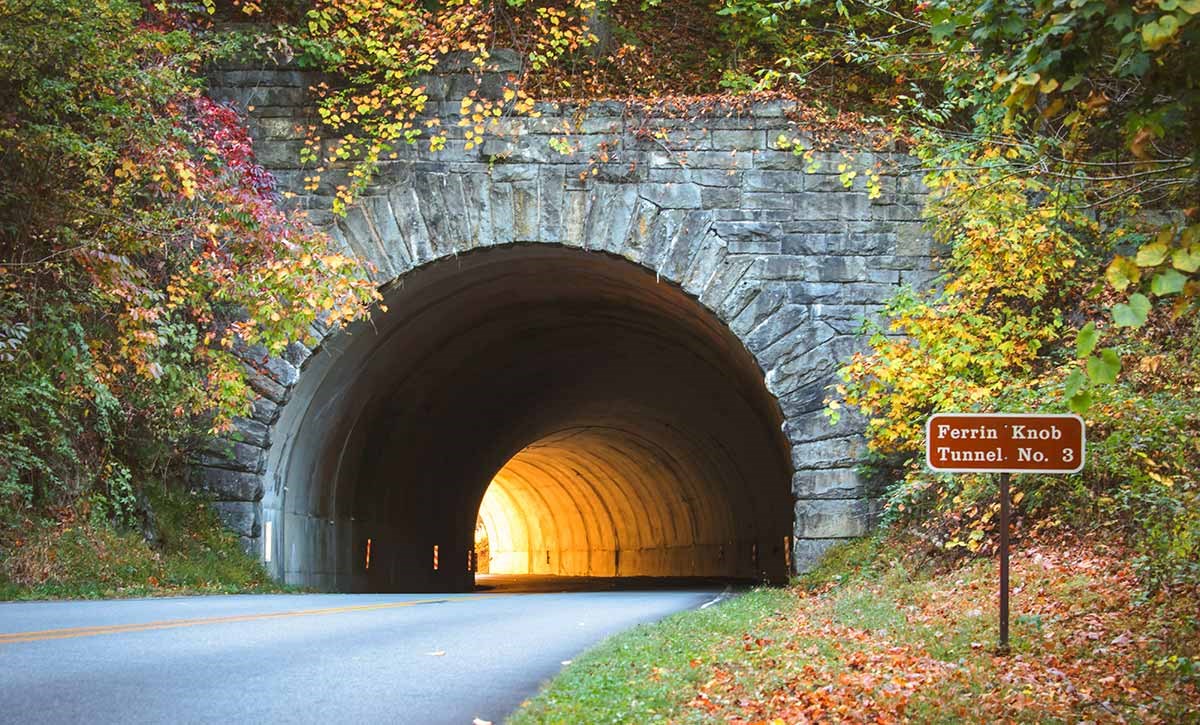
610	501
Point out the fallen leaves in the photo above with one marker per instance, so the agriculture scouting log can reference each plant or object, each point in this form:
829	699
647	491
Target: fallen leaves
1082	641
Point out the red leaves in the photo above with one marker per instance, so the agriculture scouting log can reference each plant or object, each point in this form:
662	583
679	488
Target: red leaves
231	143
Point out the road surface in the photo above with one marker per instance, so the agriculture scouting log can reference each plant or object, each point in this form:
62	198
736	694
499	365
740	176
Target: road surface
366	658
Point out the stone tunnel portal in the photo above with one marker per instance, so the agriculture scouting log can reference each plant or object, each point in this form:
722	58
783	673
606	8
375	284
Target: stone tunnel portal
616	426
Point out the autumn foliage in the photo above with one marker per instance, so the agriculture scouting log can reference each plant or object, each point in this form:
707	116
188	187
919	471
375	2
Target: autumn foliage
143	253
888	644
141	249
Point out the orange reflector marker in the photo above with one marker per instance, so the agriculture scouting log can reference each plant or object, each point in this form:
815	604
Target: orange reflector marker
435	557
368	566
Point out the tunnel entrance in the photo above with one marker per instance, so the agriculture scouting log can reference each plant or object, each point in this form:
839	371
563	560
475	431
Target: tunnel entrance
568	408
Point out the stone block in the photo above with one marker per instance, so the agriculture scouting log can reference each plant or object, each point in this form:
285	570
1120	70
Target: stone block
678	258
232	455
239	517
671	196
226	485
508	172
276	154
762	306
774	181
279	129
807	553
797	268
701	159
839	483
610	216
767	200
525	213
708	258
251	431
720	198
750	236
776	108
265	411
843	269
828	453
663	231
406	207
265	386
771	160
832	518
781	323
550	204
739	140
728	273
641	223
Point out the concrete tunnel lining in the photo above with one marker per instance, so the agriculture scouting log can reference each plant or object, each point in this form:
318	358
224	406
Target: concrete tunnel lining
625	423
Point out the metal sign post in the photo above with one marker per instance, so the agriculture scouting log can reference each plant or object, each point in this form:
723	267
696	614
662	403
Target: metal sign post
1004	443
1003	564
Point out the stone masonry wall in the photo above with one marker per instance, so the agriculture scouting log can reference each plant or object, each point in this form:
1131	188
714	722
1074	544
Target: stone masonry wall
791	261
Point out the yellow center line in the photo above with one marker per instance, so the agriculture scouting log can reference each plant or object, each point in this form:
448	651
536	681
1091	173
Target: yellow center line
70	632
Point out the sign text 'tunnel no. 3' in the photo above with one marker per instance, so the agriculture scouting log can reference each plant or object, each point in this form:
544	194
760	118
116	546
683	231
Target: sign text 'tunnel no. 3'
1000	442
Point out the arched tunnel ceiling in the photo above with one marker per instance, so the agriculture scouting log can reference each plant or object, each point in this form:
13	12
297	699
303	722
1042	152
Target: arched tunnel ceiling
625	424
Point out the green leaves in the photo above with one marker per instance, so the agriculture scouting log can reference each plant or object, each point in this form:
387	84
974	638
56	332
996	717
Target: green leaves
1168	263
1100	369
1080	402
1153	254
1186	259
1168	282
1074	383
1158	33
1133	313
1122	272
1103	369
1085	342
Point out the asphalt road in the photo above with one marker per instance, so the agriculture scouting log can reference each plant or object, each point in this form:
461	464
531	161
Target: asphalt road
367	658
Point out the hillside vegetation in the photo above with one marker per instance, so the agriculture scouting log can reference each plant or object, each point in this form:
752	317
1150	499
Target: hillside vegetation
145	260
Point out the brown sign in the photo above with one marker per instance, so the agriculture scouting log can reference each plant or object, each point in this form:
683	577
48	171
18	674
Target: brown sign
1004	443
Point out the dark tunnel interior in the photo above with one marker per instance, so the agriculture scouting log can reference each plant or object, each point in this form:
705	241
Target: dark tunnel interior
529	410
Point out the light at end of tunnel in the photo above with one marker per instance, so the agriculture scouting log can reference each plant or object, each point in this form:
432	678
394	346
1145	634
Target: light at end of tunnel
368	562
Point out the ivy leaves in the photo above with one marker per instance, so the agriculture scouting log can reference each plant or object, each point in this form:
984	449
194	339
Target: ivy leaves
1132	313
1101	369
1160	271
1165	267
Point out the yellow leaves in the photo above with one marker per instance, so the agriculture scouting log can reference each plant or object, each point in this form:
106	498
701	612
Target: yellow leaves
125	169
187	179
1158	33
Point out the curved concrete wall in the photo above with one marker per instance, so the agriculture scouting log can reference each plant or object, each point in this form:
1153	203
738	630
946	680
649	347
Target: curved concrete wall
625	422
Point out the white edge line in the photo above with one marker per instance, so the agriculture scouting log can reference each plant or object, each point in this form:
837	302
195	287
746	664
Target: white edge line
717	598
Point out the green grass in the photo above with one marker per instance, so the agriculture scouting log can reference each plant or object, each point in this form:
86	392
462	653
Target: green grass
646	674
85	558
